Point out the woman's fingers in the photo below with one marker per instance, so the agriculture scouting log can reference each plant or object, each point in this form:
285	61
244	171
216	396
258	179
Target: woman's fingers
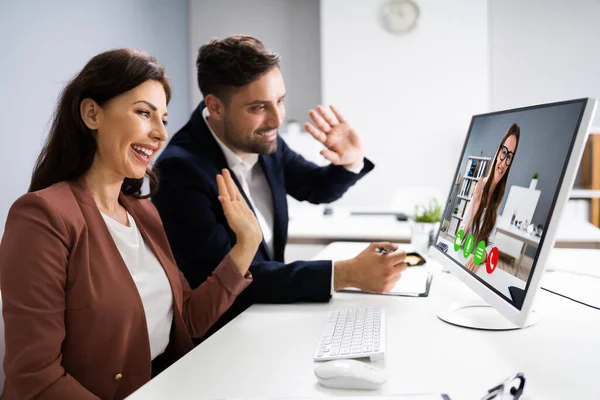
223	192
234	194
227	206
472	265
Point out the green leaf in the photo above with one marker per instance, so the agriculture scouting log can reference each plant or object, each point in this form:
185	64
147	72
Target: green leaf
430	214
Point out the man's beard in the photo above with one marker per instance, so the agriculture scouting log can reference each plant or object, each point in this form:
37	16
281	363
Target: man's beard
248	144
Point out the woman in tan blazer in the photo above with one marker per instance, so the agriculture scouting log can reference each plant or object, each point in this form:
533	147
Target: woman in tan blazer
93	302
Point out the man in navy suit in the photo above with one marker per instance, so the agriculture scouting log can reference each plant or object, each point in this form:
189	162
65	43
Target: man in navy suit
235	127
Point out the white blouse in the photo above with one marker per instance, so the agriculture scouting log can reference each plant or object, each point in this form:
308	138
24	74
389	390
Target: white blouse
150	280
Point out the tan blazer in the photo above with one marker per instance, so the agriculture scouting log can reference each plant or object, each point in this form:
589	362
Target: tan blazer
74	322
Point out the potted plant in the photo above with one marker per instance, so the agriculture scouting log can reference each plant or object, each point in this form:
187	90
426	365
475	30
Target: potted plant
425	224
534	181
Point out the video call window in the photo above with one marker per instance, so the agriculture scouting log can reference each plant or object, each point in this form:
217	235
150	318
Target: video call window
504	191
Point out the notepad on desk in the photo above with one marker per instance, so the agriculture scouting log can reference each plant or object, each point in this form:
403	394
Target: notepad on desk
414	282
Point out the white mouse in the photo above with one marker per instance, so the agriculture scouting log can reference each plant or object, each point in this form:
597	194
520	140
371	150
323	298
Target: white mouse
350	374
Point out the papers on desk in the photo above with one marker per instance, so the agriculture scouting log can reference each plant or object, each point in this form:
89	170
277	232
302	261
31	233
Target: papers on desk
415	282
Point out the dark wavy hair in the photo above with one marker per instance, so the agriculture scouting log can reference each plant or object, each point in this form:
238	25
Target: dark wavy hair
70	147
494	198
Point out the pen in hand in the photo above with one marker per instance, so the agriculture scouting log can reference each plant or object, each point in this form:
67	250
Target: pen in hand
383	250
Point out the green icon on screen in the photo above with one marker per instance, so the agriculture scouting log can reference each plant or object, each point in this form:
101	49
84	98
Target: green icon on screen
458	241
479	253
468	248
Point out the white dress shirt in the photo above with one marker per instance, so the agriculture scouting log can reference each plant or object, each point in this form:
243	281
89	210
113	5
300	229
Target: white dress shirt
150	279
251	177
256	187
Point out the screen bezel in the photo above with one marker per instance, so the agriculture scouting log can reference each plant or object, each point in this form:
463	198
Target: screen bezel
507	306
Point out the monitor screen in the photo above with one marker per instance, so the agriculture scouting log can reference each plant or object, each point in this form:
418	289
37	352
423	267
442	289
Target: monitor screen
504	192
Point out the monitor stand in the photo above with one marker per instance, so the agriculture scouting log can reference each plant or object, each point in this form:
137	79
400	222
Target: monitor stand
477	314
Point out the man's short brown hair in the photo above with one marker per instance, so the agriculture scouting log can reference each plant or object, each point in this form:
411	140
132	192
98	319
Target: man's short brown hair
227	64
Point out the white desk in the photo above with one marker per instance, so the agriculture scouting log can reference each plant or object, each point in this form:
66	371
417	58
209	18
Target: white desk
570	268
308	225
527	238
266	352
511	231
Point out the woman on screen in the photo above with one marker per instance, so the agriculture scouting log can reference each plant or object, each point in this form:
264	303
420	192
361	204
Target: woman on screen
482	211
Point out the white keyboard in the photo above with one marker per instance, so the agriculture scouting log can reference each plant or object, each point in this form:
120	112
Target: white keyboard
353	333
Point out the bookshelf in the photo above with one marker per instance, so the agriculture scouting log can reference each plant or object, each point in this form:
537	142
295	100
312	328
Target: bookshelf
475	169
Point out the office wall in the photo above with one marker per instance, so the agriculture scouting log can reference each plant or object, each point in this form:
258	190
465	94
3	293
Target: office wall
543	50
289	27
46	42
410	97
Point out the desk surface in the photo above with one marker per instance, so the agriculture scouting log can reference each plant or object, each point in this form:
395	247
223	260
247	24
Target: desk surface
266	352
308	225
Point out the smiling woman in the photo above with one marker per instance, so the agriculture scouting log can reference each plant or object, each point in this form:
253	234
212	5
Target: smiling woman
94	305
128	130
95	99
481	215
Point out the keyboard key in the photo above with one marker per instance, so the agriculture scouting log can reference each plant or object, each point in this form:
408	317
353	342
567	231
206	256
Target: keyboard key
328	331
352	332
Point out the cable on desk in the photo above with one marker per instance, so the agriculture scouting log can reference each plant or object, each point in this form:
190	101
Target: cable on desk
570	298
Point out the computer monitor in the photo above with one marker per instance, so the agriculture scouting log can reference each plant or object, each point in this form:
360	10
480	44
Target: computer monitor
512	181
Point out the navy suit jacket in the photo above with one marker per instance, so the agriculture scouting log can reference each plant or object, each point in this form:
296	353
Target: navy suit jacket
198	231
